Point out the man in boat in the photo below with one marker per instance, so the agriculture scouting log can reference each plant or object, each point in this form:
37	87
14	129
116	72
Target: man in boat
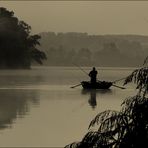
93	75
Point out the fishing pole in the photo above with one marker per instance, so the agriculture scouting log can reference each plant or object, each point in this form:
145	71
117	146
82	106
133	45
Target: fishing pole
81	69
83	72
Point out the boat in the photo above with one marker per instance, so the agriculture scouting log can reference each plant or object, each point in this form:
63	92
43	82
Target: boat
97	85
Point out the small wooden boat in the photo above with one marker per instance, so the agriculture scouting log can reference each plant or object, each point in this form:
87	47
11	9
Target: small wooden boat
97	85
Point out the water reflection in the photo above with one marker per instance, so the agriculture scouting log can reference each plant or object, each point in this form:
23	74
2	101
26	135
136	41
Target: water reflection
15	104
92	95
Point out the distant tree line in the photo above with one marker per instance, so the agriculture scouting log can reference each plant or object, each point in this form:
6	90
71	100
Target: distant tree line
17	46
89	50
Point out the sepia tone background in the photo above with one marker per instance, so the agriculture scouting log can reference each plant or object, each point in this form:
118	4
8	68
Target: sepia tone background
38	107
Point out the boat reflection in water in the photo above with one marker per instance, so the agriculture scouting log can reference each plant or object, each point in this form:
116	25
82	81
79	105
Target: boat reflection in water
93	94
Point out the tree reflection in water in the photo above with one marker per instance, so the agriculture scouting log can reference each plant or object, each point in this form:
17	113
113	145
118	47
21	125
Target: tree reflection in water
15	103
93	93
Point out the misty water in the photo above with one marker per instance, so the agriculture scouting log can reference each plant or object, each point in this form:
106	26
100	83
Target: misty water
38	107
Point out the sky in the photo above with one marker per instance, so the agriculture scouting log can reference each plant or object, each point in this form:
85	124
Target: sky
93	17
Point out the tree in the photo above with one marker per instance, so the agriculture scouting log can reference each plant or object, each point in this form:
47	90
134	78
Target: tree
127	128
17	47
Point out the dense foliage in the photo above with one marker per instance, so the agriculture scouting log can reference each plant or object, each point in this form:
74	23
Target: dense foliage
127	128
17	46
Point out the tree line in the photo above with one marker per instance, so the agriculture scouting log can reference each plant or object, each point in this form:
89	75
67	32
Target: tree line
89	50
109	55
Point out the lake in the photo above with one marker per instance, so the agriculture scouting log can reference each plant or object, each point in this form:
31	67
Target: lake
39	109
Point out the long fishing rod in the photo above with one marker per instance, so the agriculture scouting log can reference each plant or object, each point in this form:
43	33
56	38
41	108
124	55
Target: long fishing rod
83	72
81	69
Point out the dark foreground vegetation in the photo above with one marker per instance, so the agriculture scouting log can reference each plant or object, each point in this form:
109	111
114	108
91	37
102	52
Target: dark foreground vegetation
127	128
17	46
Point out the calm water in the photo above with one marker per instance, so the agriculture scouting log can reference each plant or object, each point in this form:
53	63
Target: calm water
38	108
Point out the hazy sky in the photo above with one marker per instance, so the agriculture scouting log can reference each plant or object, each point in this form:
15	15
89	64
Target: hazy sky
93	17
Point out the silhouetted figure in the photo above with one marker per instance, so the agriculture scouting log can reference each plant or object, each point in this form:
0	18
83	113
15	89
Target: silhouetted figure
93	75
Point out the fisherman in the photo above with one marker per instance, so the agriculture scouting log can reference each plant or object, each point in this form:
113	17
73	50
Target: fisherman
93	75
